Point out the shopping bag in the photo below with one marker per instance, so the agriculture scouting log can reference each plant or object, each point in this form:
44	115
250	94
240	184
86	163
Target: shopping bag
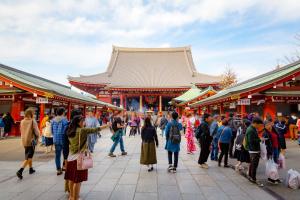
281	161
263	151
272	170
293	179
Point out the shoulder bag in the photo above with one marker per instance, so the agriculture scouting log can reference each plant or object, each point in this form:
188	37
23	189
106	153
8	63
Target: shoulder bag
33	141
84	160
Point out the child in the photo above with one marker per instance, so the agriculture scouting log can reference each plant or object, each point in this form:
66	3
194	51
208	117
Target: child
47	133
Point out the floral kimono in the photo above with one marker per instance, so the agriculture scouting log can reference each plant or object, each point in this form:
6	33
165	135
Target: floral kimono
191	147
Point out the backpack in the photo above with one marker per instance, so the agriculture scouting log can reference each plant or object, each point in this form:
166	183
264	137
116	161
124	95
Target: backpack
175	136
2	123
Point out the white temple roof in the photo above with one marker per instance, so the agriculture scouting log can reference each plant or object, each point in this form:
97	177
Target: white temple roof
149	68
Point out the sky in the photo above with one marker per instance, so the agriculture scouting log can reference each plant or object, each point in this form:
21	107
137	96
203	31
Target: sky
57	38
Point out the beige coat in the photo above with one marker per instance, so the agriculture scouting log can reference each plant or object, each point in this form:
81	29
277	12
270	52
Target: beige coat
28	127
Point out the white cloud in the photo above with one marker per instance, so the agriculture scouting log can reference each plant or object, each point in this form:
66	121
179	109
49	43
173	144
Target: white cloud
79	34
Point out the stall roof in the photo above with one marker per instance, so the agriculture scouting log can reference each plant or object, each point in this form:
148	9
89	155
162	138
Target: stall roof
261	82
48	86
193	93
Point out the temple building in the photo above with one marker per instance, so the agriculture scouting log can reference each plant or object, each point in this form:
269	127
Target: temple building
144	79
20	90
275	93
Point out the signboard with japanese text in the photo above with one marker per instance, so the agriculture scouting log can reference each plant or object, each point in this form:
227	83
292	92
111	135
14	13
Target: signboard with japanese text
244	102
41	100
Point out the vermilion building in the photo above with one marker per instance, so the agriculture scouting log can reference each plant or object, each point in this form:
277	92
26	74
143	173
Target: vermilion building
20	90
276	93
143	79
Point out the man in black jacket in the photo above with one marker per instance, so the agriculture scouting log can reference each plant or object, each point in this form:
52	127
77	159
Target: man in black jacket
253	141
205	140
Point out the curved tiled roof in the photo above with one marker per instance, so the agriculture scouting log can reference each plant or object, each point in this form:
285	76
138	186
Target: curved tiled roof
257	82
149	68
46	85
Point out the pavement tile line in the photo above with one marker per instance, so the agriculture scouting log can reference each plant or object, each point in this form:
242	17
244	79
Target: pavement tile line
186	183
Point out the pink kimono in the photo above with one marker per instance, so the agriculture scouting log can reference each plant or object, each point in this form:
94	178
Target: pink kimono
191	147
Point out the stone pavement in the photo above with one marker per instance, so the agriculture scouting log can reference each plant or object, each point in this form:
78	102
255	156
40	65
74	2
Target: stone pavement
292	161
124	178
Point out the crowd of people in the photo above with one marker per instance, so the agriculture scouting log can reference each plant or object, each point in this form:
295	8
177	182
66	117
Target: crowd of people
6	124
218	136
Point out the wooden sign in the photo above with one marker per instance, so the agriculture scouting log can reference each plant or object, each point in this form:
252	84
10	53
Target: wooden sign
41	100
232	105
234	97
244	102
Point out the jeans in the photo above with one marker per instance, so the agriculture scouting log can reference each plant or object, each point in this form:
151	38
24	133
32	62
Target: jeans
215	150
118	140
59	148
293	131
170	155
224	151
162	132
275	154
1	132
254	161
299	137
43	140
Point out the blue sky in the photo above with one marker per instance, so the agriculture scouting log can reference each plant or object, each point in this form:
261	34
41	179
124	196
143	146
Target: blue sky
54	38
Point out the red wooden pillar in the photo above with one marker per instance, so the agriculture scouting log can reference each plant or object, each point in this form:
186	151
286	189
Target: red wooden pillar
141	103
243	110
269	108
69	111
42	114
16	109
208	110
221	109
111	99
160	104
84	110
122	101
125	105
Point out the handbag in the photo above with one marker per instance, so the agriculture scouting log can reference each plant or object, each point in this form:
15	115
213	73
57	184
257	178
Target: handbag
84	160
115	135
34	140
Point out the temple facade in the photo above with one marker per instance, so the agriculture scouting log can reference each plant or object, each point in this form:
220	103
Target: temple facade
142	79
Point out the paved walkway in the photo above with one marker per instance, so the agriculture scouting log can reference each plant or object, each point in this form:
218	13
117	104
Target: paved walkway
292	161
124	178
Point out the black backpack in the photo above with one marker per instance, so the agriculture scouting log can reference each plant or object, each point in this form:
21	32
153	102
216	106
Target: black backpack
175	136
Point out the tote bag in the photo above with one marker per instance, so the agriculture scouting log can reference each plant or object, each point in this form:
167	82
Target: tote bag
84	160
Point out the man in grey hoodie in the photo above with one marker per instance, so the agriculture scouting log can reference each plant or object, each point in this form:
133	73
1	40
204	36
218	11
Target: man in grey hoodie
59	126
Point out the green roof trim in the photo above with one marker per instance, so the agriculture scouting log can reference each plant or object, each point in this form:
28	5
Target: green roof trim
256	82
193	93
47	85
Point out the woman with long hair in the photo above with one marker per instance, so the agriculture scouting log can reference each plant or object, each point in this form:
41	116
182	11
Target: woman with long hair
191	147
149	141
77	135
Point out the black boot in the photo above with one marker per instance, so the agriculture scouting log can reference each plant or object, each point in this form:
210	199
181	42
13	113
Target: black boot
31	171
19	173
